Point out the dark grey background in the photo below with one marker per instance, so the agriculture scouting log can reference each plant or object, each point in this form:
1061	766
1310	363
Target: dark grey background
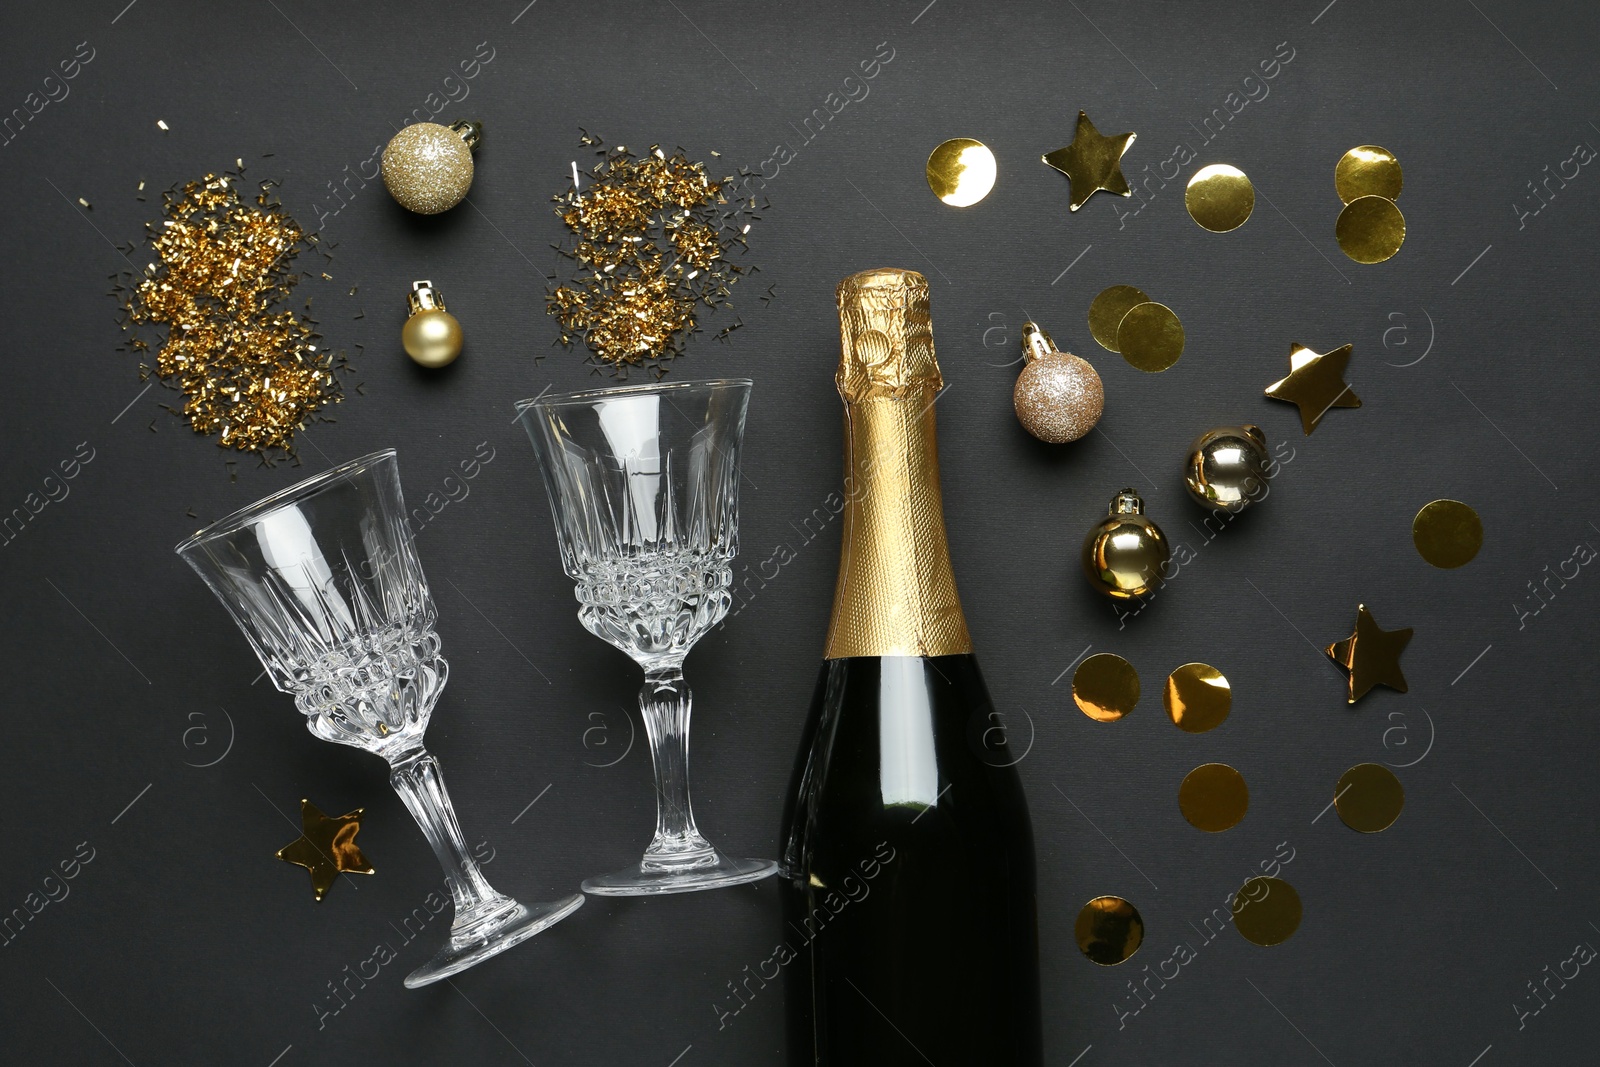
185	941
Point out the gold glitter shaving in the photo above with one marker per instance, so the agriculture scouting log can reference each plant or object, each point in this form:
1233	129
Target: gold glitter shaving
650	239
252	371
698	244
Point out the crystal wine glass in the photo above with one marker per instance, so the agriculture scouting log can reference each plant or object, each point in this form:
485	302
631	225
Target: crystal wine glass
644	489
323	578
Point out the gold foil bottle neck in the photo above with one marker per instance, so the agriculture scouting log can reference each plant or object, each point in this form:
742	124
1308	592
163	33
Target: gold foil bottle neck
896	594
886	333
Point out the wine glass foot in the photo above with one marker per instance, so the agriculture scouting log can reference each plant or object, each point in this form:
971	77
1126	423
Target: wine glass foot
520	922
649	879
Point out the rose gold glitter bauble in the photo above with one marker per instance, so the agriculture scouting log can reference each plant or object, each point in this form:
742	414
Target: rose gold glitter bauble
428	167
1058	396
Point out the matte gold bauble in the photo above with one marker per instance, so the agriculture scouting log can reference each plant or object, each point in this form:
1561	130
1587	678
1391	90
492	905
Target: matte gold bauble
1228	467
1125	554
431	336
428	167
1058	396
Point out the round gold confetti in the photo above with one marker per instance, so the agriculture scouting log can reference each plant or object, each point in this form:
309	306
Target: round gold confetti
1198	697
1107	310
1368	170
427	168
1266	911
1369	798
1105	687
1213	797
1370	229
1220	198
1447	533
1150	337
1109	930
961	171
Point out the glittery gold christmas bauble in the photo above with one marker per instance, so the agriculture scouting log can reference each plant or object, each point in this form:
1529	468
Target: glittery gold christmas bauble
1125	554
1058	396
428	167
1227	467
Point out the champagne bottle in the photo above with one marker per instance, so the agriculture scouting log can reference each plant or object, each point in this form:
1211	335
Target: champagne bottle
908	871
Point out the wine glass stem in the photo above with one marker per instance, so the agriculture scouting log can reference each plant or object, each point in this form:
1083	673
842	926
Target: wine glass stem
664	702
417	778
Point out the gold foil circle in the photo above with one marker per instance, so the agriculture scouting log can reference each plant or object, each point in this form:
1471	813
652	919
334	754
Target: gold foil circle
1198	697
1220	197
1447	533
1266	911
1368	170
1105	687
1150	337
1109	930
961	171
1107	310
1370	229
1213	797
1369	798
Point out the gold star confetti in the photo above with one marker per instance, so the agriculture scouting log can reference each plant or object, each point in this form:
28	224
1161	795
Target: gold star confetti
1315	383
1092	162
1370	656
326	847
651	237
252	371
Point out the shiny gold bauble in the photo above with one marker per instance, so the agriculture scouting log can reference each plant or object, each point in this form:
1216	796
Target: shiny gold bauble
1125	555
1058	396
428	167
1228	467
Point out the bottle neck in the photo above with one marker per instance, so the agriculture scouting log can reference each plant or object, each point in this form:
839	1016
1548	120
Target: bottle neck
896	594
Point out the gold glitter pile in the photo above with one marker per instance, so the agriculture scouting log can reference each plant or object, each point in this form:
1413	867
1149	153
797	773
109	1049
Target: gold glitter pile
250	369
651	237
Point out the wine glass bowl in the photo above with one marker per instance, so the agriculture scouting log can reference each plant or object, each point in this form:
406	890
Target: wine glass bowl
654	606
324	580
334	602
643	483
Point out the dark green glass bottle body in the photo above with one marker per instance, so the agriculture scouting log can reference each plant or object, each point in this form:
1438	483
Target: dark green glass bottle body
908	874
